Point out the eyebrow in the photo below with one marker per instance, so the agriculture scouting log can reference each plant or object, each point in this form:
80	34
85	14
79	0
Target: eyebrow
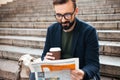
65	13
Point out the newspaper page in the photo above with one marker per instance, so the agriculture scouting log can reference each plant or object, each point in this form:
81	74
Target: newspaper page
55	69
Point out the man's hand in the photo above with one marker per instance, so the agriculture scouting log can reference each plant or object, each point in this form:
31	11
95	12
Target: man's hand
77	74
49	56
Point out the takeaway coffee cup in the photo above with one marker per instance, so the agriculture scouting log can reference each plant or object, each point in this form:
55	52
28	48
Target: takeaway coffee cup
56	51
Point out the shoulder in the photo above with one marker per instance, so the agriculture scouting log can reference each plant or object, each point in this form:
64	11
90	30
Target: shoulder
84	27
55	28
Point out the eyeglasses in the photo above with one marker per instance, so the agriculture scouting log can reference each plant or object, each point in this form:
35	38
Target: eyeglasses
67	16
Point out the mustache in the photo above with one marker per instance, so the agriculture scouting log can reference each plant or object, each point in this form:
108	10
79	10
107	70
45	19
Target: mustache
65	22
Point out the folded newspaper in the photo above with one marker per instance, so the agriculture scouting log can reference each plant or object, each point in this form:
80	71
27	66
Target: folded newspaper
54	69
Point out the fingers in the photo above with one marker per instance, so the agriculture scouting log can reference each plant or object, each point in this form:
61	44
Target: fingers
49	56
72	77
77	74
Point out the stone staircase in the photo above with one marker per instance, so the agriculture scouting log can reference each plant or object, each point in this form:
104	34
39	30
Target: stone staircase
23	26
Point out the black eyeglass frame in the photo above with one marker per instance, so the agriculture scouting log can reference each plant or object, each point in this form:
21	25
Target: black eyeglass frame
59	16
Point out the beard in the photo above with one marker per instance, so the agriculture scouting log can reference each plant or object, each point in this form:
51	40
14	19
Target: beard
67	25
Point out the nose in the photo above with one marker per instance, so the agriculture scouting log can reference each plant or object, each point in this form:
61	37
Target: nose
63	19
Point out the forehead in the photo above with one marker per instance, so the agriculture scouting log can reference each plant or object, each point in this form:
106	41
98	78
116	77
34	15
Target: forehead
63	8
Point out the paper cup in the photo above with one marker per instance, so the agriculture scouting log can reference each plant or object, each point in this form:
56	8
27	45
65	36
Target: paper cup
56	51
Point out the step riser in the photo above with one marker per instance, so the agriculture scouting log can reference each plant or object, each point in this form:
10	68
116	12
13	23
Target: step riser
104	49
83	12
8	69
100	4
14	55
107	78
6	72
99	17
25	25
110	71
107	36
10	76
23	33
51	18
23	43
43	6
106	26
10	55
110	50
30	19
97	25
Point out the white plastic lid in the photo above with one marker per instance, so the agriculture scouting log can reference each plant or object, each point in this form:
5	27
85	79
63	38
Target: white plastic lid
55	49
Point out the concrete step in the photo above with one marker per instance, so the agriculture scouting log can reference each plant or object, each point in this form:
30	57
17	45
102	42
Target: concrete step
109	48
8	69
82	10
82	3
30	19
87	11
51	12
88	4
30	2
6	9
107	78
106	25
15	52
100	17
23	41
23	32
16	9
99	11
29	14
27	5
99	25
34	5
106	47
50	18
22	2
25	24
32	15
9	56
109	35
96	7
110	66
99	4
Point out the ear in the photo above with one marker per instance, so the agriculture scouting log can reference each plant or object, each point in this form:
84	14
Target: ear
76	11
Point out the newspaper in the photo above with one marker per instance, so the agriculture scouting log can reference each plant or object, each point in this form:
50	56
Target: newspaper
54	69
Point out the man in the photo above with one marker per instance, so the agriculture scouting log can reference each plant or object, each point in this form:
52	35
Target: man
76	39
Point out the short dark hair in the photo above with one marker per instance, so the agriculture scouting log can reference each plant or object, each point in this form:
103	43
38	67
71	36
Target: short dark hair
56	2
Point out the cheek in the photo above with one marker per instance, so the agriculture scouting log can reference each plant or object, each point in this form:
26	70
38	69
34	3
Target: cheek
73	17
58	21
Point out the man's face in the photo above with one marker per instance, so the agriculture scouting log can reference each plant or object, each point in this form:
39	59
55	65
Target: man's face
65	14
